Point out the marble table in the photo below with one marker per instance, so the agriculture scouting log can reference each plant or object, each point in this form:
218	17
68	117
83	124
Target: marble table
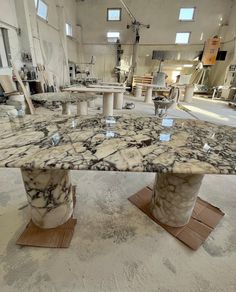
63	97
108	94
150	87
118	96
180	152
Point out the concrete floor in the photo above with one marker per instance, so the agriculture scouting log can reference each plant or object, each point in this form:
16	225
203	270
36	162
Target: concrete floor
116	247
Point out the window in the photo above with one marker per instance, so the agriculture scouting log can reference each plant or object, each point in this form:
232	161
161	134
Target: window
112	37
186	14
42	9
5	53
36	3
68	29
114	14
182	37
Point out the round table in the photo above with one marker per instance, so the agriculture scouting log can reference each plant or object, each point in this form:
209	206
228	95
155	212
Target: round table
108	96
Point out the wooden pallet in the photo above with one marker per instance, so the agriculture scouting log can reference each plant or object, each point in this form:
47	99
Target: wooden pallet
147	79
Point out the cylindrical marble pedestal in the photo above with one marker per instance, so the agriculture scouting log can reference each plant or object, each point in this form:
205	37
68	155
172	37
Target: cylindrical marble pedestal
108	104
148	96
82	108
174	197
49	193
66	108
138	91
118	100
91	103
189	91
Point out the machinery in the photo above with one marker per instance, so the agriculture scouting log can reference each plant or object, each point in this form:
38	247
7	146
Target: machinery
135	26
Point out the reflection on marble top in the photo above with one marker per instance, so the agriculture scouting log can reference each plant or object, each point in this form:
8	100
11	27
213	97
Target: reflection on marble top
143	144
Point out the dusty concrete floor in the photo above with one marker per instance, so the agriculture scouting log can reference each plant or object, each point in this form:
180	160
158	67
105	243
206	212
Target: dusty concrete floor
115	247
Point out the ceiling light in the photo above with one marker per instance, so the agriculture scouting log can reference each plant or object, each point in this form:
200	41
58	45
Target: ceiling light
179	68
188	65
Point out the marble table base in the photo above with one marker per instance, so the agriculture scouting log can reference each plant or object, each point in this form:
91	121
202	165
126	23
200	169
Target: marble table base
174	197
118	100
91	103
148	96
66	108
138	91
49	193
108	104
82	108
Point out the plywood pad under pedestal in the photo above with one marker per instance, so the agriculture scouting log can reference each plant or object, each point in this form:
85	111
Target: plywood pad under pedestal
203	221
59	237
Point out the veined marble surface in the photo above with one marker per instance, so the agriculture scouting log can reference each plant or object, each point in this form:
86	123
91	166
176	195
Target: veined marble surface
63	97
139	144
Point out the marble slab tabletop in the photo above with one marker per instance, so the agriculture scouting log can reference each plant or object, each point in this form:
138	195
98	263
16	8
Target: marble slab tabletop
98	90
62	97
154	86
137	144
107	86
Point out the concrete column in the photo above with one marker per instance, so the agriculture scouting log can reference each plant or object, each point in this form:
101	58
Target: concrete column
148	96
174	197
49	193
82	108
118	100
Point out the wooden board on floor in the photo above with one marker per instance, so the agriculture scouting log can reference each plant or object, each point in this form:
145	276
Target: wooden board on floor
26	93
59	237
204	219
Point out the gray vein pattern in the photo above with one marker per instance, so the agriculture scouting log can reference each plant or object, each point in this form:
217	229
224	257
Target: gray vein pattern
138	144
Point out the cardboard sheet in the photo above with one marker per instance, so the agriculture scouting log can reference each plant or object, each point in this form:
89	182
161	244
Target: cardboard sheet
59	237
204	219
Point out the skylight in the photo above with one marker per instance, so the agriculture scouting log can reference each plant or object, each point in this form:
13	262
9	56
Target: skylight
182	37
114	14
186	14
42	10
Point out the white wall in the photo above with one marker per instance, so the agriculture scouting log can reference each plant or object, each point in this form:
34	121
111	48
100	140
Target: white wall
217	76
8	20
45	40
162	15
